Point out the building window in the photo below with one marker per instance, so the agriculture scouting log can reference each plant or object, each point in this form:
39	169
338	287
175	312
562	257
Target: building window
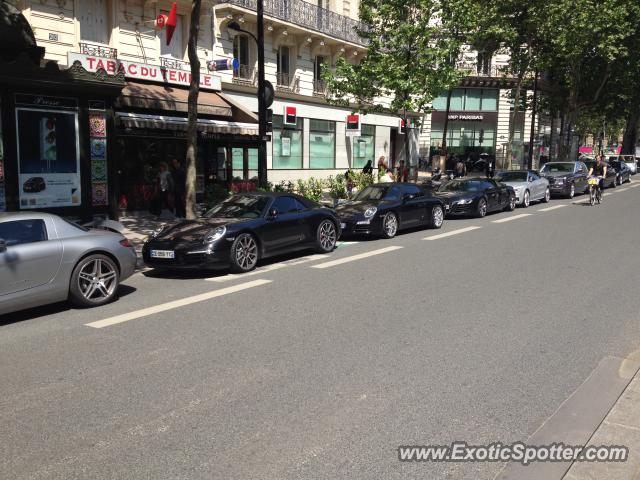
93	17
364	146
483	66
287	144
284	57
176	48
322	144
464	137
469	99
241	49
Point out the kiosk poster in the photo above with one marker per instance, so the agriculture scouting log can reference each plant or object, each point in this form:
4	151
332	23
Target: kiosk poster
3	206
48	158
98	151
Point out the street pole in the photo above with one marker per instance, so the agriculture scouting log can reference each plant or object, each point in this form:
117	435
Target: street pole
534	106
262	109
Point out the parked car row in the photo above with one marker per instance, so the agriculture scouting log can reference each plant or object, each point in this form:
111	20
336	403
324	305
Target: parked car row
45	258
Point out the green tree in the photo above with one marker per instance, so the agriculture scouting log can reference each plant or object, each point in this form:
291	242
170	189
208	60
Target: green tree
192	116
411	57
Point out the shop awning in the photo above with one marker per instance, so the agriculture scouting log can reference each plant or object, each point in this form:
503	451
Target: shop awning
161	97
167	122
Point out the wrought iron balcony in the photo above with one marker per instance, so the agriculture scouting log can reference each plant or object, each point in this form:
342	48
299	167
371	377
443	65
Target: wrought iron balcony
319	88
480	70
307	15
286	82
245	75
98	50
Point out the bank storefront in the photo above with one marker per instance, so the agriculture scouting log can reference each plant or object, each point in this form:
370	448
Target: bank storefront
472	122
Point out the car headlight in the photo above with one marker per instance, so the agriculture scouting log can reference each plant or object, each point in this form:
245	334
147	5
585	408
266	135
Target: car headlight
464	201
156	232
370	212
215	234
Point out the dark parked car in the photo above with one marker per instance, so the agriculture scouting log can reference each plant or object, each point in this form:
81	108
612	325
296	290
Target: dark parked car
384	208
623	171
242	230
476	196
566	178
611	179
34	185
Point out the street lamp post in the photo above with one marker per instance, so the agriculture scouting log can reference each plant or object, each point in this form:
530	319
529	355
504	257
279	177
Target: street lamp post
262	104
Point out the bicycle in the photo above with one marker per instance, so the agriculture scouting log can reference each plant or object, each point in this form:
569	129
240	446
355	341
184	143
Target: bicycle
595	191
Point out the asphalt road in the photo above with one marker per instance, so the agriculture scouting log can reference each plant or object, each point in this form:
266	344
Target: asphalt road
321	373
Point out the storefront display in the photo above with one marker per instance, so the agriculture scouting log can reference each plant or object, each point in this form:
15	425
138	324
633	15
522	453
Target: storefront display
48	153
322	144
364	146
3	205
98	152
287	144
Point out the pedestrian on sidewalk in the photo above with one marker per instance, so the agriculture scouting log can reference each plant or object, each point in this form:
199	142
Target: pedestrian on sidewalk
179	187
368	168
164	188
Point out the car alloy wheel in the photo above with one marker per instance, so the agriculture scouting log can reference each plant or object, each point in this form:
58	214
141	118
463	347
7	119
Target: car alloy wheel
572	191
94	281
527	199
619	180
390	225
482	207
547	195
326	236
437	216
512	204
244	253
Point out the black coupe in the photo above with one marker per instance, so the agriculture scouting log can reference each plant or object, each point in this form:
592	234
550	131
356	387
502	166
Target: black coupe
476	196
384	208
243	229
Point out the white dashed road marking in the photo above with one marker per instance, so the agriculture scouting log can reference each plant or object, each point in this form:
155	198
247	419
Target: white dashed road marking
515	217
267	268
548	209
451	233
353	258
145	312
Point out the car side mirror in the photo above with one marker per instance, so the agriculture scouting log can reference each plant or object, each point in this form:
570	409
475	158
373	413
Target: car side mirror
3	245
530	179
273	214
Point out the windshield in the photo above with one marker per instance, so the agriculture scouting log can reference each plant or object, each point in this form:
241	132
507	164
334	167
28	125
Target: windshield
241	206
512	177
557	167
372	192
462	186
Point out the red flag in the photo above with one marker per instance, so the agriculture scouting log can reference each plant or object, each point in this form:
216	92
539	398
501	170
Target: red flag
172	21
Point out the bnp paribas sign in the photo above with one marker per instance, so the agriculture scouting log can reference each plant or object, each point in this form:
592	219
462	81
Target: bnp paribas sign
144	71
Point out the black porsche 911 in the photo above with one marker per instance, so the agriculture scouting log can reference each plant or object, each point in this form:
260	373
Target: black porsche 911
242	230
384	208
476	196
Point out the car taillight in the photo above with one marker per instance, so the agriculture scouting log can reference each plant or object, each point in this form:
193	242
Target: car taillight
125	242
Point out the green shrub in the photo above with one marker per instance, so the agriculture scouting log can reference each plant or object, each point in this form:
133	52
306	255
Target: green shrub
337	186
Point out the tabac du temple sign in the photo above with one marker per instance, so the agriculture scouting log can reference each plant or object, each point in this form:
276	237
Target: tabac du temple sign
143	71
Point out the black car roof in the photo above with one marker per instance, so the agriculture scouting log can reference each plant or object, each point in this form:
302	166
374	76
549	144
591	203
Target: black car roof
304	200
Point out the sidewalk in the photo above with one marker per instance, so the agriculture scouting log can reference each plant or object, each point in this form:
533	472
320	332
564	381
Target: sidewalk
139	225
621	426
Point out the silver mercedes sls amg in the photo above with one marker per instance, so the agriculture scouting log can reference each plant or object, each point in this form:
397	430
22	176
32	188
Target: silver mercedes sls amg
46	259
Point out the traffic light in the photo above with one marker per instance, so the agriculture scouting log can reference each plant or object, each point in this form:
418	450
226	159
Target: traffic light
269	120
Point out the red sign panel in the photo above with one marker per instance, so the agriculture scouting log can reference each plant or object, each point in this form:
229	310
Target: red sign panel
290	116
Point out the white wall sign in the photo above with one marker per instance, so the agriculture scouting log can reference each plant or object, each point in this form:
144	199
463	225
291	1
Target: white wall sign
286	146
143	71
472	117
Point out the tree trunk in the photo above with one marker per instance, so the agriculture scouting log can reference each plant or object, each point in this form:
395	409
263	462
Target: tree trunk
192	126
630	138
512	121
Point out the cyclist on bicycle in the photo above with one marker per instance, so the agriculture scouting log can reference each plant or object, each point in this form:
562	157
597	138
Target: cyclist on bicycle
599	170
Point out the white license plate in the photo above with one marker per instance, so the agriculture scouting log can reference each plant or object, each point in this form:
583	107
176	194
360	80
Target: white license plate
343	226
163	254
